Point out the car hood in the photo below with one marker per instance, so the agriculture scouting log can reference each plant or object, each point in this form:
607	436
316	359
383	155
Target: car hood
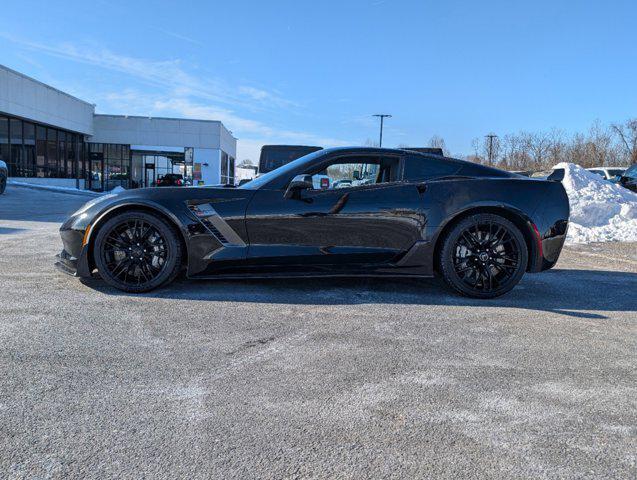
172	199
169	194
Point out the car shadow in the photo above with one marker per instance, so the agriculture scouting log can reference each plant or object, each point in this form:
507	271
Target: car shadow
8	230
565	291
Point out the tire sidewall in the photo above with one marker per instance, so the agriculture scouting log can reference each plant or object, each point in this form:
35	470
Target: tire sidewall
173	258
448	271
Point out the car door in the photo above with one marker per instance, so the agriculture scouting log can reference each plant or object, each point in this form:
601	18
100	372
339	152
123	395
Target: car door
337	227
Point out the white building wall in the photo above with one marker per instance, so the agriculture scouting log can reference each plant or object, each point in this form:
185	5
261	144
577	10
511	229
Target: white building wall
169	132
210	174
227	142
28	98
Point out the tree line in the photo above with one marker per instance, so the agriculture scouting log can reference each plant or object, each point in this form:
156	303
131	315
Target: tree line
601	145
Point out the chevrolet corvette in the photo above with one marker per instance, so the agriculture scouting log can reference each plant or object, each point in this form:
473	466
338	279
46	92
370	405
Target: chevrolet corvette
395	213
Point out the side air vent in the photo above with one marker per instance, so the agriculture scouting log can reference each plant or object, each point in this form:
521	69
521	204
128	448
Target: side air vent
216	225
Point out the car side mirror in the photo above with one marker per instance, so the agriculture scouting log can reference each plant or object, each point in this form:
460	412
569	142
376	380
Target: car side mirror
297	185
356	175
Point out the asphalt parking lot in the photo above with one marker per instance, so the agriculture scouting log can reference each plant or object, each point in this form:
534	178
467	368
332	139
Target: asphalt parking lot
320	379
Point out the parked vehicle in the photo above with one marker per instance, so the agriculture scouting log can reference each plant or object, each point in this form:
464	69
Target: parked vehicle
170	180
342	183
4	173
480	228
612	174
321	182
629	178
555	174
275	156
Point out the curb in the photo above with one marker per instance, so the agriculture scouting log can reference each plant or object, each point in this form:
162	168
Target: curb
54	189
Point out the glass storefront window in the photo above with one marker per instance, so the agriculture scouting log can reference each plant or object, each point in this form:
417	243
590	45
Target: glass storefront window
40	150
231	170
29	149
52	153
16	166
224	167
70	156
32	150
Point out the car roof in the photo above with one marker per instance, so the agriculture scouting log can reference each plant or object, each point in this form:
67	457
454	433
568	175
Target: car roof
366	150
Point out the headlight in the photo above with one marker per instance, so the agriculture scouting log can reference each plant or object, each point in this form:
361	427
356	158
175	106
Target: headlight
94	202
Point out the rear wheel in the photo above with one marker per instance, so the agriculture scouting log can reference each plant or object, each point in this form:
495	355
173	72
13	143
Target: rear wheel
137	252
483	256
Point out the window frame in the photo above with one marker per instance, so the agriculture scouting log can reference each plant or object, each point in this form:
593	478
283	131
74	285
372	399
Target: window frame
332	160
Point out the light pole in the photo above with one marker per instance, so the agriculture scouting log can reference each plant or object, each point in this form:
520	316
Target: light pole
382	117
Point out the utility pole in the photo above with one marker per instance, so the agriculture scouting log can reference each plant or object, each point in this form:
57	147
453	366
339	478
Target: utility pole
491	136
382	117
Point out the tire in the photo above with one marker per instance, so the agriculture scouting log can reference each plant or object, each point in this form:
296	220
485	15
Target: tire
137	252
483	256
3	184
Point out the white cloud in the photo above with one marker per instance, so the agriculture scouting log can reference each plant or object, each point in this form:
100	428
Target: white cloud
169	74
178	93
252	134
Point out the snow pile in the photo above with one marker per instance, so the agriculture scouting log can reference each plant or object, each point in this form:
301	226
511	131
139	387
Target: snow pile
600	210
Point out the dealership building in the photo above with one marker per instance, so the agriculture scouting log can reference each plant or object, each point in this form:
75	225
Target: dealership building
50	137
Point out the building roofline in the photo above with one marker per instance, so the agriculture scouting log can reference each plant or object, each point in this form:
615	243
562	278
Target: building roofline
152	117
20	74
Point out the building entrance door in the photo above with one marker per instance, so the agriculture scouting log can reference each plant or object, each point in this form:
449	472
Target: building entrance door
96	171
149	177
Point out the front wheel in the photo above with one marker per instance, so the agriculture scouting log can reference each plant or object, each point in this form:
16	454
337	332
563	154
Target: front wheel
137	251
483	256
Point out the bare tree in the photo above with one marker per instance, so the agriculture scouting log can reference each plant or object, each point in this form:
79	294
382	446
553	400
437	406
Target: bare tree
600	146
477	145
246	163
627	134
437	141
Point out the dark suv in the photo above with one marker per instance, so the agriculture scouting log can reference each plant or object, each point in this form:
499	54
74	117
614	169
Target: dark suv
629	178
275	156
170	180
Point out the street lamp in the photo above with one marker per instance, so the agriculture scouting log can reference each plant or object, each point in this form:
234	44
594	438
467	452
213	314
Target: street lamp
382	117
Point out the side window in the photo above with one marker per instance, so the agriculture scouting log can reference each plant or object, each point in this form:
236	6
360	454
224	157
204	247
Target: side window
423	167
356	171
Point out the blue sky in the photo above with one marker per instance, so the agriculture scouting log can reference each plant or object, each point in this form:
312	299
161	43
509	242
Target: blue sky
314	72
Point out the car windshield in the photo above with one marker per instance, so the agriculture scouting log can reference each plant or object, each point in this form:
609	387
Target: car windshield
266	178
631	172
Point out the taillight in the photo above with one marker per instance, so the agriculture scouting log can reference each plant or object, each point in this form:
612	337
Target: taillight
325	183
178	182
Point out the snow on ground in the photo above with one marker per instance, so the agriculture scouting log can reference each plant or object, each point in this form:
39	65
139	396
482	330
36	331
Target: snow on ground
601	211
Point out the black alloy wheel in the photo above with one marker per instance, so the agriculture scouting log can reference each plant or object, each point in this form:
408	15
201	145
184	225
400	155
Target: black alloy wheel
137	252
483	256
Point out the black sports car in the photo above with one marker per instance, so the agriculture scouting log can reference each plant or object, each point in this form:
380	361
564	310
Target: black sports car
403	213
